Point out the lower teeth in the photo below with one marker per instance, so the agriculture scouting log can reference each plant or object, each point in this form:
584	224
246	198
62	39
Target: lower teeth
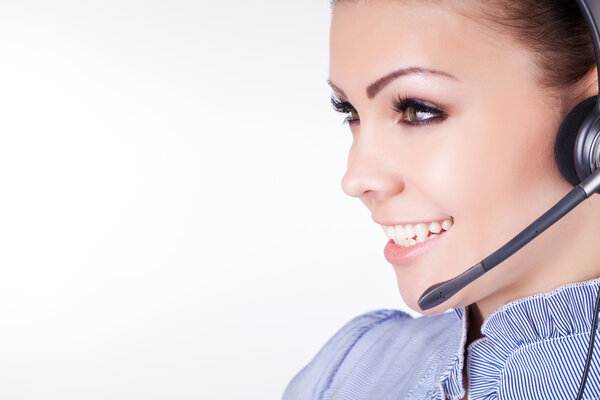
412	242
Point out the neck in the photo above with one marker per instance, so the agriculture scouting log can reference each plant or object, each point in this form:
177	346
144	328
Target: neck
475	320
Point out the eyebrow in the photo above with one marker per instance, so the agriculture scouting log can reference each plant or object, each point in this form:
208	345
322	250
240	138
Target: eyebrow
382	82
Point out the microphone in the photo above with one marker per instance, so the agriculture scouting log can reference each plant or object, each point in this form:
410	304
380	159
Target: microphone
440	292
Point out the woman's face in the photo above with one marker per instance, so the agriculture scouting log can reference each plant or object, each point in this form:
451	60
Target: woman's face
482	154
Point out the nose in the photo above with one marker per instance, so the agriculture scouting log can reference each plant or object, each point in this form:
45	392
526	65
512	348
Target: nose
372	173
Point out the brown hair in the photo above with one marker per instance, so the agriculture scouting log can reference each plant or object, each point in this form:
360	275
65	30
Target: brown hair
554	30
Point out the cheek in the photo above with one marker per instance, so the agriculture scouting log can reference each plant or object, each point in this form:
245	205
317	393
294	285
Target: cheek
496	165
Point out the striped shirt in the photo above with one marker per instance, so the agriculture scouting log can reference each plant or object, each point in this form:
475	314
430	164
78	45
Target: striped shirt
533	348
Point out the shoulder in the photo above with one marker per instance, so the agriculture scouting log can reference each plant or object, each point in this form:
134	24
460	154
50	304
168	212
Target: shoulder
373	332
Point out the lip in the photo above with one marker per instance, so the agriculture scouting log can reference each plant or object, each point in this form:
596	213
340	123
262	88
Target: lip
404	255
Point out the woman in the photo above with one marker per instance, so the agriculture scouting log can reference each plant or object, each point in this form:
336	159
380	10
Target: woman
453	107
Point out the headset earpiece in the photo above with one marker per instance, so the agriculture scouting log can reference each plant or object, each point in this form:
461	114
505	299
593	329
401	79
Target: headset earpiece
572	151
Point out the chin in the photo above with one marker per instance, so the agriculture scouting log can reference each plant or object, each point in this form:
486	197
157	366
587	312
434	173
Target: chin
412	289
411	295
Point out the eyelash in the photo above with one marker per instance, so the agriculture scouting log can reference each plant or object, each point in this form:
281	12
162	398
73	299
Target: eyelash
399	105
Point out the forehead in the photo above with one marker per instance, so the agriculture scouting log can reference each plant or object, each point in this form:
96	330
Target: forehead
369	39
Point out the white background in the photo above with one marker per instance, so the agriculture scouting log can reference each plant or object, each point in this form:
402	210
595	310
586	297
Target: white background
172	224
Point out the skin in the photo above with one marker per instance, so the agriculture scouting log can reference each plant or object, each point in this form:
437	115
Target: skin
489	164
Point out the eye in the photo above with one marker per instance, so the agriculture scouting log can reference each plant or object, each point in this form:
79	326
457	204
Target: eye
345	108
419	112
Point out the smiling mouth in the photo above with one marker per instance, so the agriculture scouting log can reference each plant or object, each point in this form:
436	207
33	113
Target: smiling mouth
408	235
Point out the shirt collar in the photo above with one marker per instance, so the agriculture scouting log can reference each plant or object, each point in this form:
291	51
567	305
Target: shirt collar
451	379
567	309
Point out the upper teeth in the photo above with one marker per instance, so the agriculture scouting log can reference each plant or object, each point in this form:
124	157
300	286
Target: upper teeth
407	235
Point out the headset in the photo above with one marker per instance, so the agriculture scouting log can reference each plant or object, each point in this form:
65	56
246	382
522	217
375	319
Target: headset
577	154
